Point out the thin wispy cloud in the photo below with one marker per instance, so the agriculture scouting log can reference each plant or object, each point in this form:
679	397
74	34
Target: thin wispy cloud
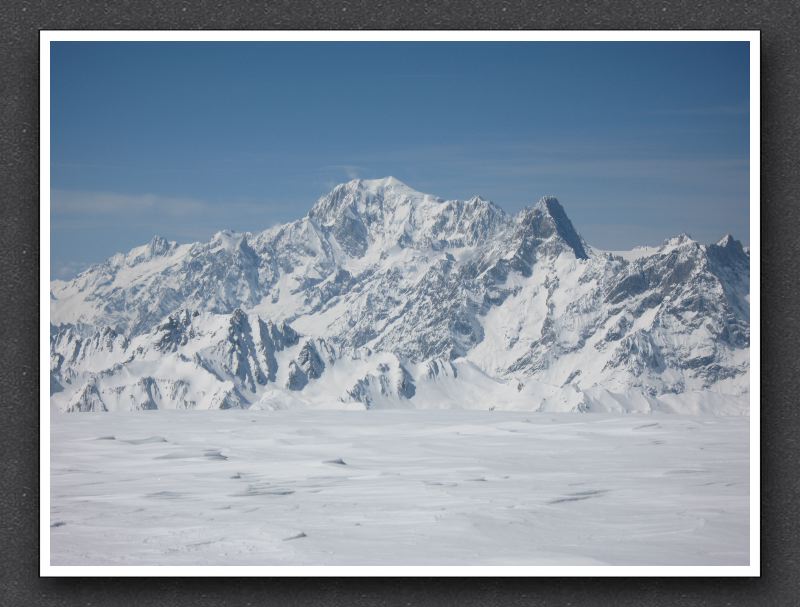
99	205
351	171
83	221
110	203
63	270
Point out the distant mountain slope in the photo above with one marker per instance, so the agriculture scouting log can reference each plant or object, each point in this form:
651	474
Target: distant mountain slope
384	296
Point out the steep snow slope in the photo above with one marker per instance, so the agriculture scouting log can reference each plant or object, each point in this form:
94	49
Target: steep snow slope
382	296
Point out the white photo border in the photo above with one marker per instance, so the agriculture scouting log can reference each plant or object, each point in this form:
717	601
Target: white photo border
753	37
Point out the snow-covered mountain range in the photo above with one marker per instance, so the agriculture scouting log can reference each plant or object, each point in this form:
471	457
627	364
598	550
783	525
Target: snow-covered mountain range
382	296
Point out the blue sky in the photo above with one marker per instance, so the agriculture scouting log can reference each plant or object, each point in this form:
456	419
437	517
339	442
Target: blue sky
639	141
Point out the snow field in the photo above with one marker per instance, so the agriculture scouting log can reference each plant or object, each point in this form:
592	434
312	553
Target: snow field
398	487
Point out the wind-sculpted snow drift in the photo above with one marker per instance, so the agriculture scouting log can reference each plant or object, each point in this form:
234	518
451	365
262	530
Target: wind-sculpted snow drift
382	296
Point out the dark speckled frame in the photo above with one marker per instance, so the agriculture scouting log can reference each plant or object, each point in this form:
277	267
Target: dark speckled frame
20	22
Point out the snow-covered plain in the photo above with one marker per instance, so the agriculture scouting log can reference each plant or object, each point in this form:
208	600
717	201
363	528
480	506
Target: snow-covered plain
398	487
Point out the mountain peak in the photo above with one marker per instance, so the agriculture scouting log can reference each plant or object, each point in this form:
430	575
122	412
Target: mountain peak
728	250
375	187
158	245
383	182
359	195
545	203
385	213
230	240
680	239
550	217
